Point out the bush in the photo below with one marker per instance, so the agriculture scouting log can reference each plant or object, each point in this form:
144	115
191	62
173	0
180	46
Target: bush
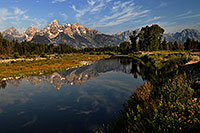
91	53
168	108
16	55
43	55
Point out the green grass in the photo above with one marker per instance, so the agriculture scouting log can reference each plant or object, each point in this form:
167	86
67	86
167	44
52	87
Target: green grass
47	66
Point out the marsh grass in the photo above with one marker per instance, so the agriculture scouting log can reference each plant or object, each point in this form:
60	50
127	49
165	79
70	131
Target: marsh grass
47	66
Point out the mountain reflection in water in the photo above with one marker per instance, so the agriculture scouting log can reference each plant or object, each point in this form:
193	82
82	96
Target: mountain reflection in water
75	100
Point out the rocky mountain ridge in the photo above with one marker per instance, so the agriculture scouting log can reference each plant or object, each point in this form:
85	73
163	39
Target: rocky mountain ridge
78	36
179	37
75	35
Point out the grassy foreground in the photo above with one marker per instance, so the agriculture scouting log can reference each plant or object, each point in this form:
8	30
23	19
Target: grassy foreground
20	69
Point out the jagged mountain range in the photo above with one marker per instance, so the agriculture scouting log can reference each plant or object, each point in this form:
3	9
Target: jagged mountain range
179	37
75	35
78	36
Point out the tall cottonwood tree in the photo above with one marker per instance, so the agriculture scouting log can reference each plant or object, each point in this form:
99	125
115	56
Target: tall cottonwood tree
149	38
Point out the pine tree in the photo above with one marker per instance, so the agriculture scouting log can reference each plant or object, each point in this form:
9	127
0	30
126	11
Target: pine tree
133	39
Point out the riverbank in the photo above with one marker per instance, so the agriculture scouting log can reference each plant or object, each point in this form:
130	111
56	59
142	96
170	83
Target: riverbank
22	68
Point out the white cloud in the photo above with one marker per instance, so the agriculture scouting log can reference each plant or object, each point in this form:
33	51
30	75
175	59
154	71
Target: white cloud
18	11
56	1
152	19
91	2
80	12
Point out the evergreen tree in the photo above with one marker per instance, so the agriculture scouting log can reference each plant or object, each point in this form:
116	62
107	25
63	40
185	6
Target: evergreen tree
164	44
187	44
133	39
125	47
170	45
175	46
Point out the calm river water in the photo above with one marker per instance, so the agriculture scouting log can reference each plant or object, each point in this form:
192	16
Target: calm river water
72	101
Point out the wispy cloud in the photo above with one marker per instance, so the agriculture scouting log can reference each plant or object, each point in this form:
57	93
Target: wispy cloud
64	16
163	4
92	7
56	1
191	16
122	12
91	2
16	16
187	15
118	12
152	19
184	14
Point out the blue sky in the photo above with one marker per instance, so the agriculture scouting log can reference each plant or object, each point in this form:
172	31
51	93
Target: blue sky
107	16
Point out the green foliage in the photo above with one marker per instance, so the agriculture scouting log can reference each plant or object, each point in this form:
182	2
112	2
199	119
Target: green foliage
164	104
2	84
16	55
43	55
125	47
191	44
27	48
91	53
133	39
170	107
177	110
175	46
164	44
150	38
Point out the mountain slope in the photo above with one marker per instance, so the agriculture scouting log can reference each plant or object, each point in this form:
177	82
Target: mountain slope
75	35
180	37
124	35
30	33
13	34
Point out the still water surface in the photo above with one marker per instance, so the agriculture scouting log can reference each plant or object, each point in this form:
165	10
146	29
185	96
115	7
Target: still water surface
76	100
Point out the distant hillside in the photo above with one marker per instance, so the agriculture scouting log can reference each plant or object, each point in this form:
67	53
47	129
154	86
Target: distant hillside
180	37
124	35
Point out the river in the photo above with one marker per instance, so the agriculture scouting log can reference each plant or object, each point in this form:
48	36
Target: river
76	100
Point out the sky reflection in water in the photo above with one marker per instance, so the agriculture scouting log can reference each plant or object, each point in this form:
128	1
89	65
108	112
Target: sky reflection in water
76	100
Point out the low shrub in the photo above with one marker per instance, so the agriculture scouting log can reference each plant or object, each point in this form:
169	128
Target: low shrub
167	108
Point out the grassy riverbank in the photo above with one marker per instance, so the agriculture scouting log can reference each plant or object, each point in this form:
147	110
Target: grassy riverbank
21	67
24	68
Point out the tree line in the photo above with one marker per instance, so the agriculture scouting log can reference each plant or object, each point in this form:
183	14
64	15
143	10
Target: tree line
24	48
151	39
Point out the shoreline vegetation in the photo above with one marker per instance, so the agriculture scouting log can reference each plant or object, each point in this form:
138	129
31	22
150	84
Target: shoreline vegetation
15	69
23	67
